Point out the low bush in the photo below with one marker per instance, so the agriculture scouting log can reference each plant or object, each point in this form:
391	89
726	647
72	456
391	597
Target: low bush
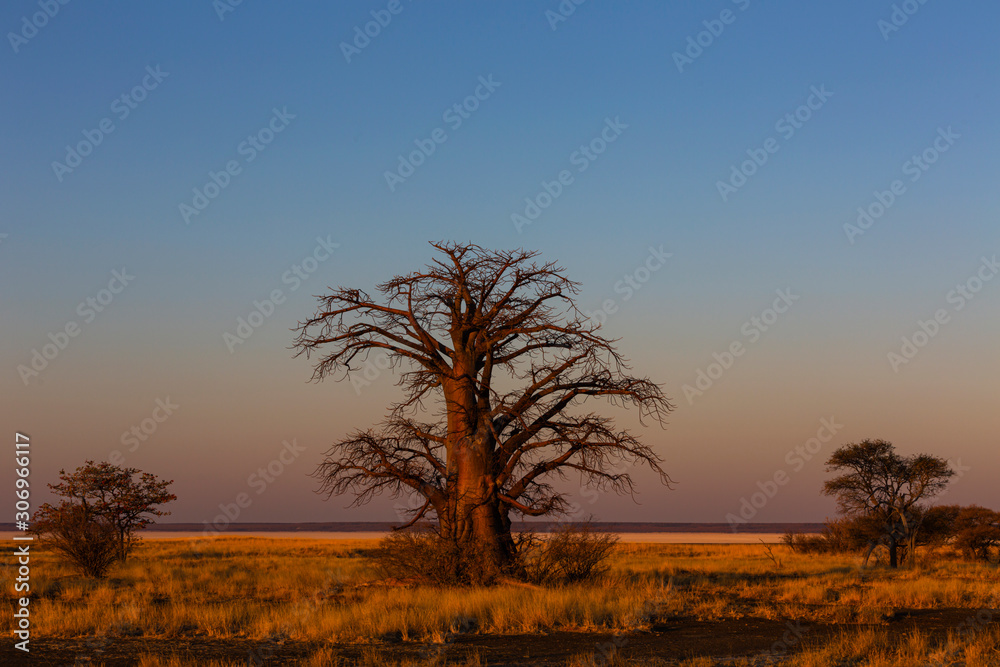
88	541
838	536
426	556
569	554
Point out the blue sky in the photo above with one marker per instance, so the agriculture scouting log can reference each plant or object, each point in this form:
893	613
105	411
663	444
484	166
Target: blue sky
657	184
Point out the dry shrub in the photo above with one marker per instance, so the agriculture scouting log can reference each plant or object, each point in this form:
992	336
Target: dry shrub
844	535
570	554
87	541
426	556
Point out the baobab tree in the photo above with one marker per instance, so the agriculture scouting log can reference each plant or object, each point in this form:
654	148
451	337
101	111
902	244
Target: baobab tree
887	490
495	363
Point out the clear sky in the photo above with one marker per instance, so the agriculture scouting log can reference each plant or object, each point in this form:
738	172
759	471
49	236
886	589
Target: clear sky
203	151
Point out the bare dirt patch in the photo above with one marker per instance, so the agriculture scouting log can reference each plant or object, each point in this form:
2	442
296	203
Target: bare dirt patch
667	642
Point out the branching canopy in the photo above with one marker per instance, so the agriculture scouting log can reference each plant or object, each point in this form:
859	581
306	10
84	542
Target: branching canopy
493	352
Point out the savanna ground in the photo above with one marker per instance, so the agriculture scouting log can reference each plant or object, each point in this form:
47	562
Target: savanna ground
249	600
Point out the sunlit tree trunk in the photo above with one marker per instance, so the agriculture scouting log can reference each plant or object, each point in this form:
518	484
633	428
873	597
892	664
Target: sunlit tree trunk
481	525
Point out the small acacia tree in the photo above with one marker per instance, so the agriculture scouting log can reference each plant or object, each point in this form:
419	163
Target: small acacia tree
887	489
124	499
495	341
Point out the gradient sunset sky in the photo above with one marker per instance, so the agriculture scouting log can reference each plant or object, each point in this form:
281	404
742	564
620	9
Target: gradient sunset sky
880	96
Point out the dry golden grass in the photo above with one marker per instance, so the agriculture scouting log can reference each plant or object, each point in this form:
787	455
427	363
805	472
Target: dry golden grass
325	592
873	648
720	581
303	590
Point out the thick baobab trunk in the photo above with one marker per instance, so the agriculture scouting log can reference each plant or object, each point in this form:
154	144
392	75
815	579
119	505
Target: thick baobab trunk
479	525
